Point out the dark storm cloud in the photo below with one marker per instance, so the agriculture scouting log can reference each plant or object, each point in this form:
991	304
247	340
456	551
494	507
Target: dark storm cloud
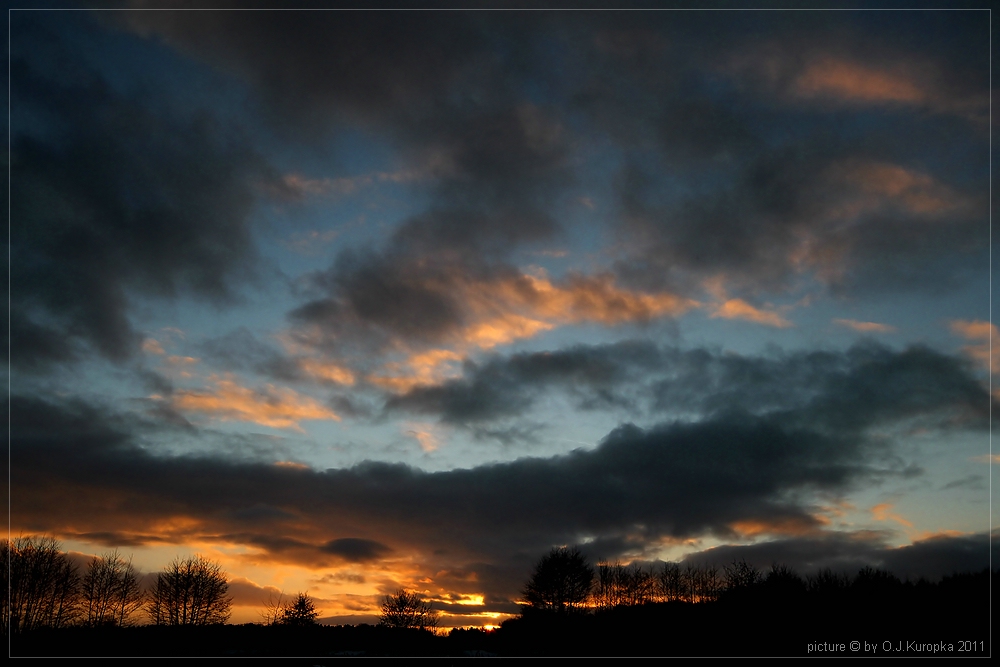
311	64
356	550
446	88
77	468
673	480
852	211
829	390
111	199
932	557
832	186
736	129
737	133
384	296
596	375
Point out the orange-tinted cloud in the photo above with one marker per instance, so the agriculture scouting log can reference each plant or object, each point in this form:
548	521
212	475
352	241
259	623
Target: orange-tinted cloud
522	306
795	526
858	192
177	360
876	183
865	327
738	309
430	367
933	535
858	82
503	329
883	512
278	407
425	434
904	83
580	298
981	331
152	346
327	370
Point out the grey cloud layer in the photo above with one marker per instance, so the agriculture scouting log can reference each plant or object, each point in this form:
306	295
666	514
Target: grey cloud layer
932	557
80	469
720	167
830	390
726	168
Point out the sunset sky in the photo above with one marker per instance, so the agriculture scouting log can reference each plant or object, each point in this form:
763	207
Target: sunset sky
355	301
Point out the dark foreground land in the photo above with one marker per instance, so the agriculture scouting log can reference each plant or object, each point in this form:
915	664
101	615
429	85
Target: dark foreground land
951	618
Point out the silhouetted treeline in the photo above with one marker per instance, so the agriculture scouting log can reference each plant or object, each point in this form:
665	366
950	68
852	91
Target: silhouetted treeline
669	609
629	609
43	589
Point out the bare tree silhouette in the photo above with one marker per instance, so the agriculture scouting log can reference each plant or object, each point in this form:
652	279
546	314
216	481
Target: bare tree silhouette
274	608
405	609
192	591
624	585
43	587
111	592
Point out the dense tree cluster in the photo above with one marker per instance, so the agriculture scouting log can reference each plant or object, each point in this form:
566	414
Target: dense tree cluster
561	582
564	581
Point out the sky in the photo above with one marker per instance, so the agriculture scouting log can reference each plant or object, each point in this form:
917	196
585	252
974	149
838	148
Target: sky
353	301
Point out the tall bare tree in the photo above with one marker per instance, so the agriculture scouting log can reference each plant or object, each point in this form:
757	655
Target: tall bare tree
671	582
43	587
111	592
405	609
192	591
624	585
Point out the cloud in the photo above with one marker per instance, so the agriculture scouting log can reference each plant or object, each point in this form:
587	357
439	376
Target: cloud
738	309
241	350
425	434
832	79
761	436
118	199
411	304
865	384
673	480
855	82
751	111
278	407
981	331
865	327
931	558
824	69
814	210
883	512
356	550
